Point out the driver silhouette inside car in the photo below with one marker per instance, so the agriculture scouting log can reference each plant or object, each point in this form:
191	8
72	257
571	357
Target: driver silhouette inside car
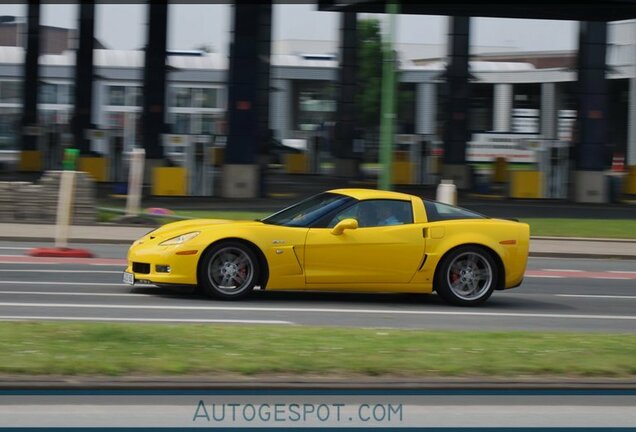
385	216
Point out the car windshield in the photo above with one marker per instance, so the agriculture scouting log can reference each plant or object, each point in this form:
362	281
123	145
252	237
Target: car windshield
306	212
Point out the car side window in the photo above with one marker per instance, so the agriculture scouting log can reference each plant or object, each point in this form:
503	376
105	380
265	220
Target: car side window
436	211
374	213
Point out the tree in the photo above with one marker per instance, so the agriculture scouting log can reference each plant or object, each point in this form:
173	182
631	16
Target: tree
369	73
369	95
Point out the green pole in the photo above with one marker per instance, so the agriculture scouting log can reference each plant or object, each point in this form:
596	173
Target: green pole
387	124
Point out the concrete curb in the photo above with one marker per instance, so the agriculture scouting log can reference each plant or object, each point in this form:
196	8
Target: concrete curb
588	239
59	253
575	255
289	383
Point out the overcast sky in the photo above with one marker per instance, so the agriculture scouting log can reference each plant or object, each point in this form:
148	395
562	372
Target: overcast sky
122	26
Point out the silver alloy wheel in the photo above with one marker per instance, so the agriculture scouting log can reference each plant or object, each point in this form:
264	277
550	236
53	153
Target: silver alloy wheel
230	270
469	276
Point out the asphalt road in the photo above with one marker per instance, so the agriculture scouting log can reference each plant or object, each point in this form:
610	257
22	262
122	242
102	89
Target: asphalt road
557	294
509	411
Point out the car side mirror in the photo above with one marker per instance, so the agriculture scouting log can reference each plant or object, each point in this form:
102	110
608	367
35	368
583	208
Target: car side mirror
344	225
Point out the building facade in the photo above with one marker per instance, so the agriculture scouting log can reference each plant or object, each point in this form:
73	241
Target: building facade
524	93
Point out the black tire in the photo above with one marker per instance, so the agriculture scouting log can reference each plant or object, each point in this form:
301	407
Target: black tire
467	276
229	271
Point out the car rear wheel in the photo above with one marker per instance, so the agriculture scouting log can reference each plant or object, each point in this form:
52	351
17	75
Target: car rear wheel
467	277
229	271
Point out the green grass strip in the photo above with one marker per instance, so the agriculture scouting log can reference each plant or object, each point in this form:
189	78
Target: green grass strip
158	349
612	228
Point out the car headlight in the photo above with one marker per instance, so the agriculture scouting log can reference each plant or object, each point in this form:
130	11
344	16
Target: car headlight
180	239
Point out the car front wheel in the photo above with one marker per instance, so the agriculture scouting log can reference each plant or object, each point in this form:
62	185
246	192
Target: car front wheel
467	277
229	271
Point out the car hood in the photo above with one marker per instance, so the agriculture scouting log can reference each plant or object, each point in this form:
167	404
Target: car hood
182	227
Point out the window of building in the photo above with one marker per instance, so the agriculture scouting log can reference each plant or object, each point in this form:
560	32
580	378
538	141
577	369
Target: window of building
315	103
9	126
65	94
182	123
117	95
526	108
124	96
48	93
194	97
10	92
183	97
481	108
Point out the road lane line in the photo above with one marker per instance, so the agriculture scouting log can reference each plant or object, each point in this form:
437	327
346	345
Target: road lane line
58	271
176	320
563	270
14	248
14	259
610	278
544	276
316	310
597	296
64	283
53	264
53	293
580	274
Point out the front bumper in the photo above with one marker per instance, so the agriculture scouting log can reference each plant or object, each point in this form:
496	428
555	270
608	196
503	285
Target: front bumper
145	262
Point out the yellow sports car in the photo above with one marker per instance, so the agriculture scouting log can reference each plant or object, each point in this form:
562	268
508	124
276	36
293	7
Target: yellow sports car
341	240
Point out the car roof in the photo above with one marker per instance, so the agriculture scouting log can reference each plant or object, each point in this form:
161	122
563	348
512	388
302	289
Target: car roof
365	194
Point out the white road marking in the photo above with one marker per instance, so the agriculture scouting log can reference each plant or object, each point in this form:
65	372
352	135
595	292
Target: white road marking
189	320
317	310
63	283
58	271
562	270
597	296
14	248
74	293
610	277
621	271
544	276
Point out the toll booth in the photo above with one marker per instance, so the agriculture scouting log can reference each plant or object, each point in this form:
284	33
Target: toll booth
541	166
413	162
554	165
117	164
51	141
297	156
199	166
33	160
191	169
53	148
96	164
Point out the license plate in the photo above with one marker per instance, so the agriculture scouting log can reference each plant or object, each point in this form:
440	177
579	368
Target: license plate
129	278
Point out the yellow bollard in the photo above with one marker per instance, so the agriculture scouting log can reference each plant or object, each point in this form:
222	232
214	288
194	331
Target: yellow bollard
630	180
